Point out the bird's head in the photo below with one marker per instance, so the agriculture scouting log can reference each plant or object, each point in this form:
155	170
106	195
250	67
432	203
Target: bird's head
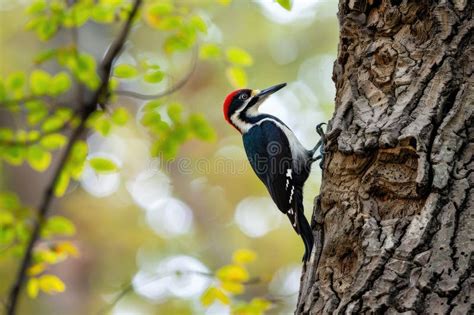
246	101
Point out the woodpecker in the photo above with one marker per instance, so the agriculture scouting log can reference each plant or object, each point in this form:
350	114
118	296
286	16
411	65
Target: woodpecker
278	158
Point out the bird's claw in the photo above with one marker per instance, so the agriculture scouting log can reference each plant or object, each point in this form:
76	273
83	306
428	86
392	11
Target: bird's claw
319	129
320	144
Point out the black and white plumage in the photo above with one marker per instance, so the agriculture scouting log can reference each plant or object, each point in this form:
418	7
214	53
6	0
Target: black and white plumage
276	155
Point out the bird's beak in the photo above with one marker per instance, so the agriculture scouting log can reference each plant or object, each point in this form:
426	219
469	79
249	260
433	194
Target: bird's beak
268	91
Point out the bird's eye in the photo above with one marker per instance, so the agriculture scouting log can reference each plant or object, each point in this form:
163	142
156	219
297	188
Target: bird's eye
243	96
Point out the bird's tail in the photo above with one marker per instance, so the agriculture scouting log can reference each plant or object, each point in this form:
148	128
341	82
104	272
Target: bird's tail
301	224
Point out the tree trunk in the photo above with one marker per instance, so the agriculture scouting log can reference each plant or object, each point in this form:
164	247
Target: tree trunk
394	219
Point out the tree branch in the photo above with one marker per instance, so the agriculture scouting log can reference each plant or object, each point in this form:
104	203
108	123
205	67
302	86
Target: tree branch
100	96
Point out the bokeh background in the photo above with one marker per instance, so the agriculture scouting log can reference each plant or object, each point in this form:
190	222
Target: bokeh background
154	217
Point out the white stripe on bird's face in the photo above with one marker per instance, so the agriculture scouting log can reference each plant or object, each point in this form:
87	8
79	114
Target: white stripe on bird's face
240	124
250	112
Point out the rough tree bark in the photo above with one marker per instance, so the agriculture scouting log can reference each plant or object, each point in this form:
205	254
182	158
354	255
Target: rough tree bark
396	204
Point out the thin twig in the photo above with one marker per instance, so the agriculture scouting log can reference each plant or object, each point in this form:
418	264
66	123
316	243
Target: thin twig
87	110
75	41
129	286
178	85
65	126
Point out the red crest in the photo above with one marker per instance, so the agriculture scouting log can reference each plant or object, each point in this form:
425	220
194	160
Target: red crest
227	102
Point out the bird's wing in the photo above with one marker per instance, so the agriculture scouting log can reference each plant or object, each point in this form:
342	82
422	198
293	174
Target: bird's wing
269	154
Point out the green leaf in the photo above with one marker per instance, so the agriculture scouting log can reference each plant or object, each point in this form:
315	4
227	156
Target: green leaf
21	135
163	8
201	128
103	13
82	65
9	201
58	226
46	28
33	135
103	126
36	7
6	218
156	14
46	255
260	305
77	14
286	4
199	24
180	133
103	165
14	155
32	288
53	141
86	70
168	23
232	273
209	51
233	287
238	56
35	106
65	113
77	159
66	248
100	122
37	111
51	284
257	306
38	158
6	134
152	105
154	76
45	55
150	118
36	269
61	184
176	43
236	76
114	84
15	83
125	71
120	116
174	112
22	232
3	90
243	256
168	147
53	123
16	80
212	294
40	82
60	83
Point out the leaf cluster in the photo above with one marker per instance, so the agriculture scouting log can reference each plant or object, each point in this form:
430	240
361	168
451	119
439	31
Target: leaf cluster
231	281
170	127
15	229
